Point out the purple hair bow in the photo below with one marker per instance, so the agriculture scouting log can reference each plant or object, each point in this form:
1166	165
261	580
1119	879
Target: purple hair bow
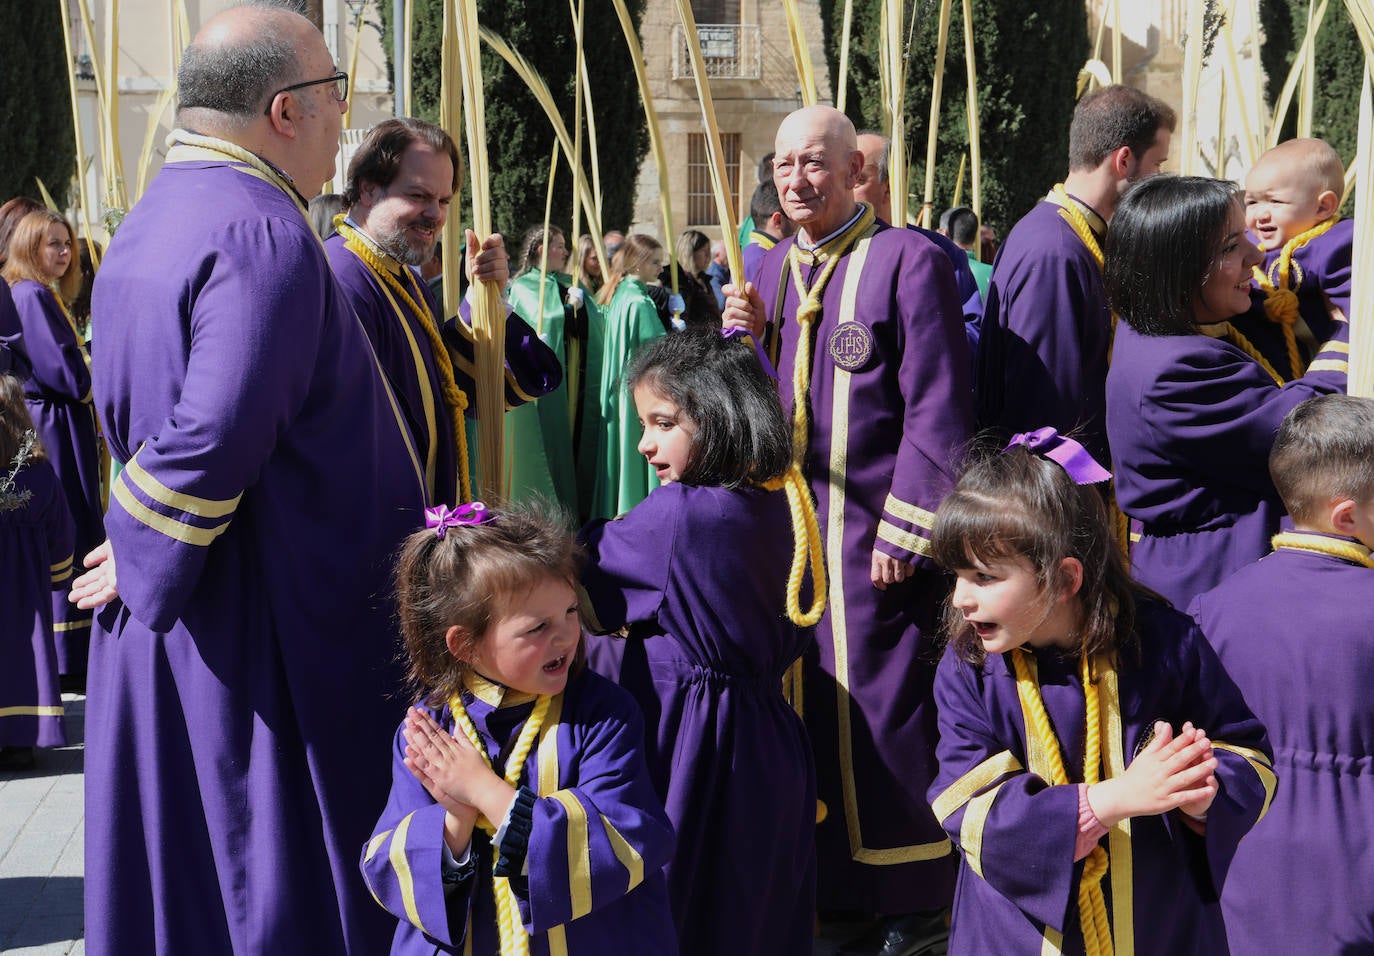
1063	451
735	332
442	518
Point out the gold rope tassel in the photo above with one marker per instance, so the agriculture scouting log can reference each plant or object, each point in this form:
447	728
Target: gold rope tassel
1092	905
514	940
1280	301
454	397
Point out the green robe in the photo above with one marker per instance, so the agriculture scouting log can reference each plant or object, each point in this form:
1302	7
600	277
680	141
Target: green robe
541	460
624	478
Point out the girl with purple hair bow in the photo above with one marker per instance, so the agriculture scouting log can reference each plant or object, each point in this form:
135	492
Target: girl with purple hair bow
1097	765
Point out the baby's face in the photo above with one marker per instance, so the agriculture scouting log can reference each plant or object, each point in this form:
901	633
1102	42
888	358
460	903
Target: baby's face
1280	203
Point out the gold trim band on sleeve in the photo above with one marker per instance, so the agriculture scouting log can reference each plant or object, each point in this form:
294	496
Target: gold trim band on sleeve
1329	365
972	826
579	854
172	528
178	500
401	867
1262	767
47	710
909	513
903	539
627	855
987	772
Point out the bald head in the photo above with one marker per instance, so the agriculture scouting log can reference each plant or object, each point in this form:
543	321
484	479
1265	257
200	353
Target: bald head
238	59
816	165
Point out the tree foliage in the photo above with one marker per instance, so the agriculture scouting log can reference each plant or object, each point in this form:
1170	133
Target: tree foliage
1336	101
36	138
519	137
1028	57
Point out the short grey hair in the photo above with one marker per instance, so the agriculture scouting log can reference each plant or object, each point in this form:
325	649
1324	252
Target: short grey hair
882	157
235	79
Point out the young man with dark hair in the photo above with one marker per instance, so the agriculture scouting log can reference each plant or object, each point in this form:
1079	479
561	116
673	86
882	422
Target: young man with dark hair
400	184
1046	329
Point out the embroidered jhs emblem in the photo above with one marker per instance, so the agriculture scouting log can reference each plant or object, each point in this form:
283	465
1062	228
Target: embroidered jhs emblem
851	346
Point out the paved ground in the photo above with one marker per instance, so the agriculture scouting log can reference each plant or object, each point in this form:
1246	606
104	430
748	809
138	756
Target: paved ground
42	849
42	853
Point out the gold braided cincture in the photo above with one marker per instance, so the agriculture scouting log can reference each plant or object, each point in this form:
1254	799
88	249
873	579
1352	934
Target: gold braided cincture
1078	221
454	397
514	940
1238	339
807	311
1092	905
806	548
1280	300
1345	550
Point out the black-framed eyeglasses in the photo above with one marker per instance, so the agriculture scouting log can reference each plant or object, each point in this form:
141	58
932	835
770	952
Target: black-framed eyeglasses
339	79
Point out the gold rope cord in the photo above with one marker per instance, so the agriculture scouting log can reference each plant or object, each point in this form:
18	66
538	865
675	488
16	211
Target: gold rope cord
514	940
1097	933
1345	550
1280	299
454	398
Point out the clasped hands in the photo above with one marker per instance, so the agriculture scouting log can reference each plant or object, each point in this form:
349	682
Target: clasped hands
1171	773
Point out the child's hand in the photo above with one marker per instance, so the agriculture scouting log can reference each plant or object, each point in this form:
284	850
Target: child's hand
1200	806
452	771
1170	772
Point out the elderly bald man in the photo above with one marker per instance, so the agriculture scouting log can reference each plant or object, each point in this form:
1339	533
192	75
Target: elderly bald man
872	345
242	690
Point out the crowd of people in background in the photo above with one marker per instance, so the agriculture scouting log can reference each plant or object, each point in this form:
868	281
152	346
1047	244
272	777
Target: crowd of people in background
977	599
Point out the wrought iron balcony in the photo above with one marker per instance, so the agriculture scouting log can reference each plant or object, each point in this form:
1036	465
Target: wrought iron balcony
731	51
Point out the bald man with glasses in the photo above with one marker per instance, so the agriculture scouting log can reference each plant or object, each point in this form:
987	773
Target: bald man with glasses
242	681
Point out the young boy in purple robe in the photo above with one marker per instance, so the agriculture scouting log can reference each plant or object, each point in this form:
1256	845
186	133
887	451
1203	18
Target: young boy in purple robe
1293	631
1192	406
1292	195
699	572
521	815
36	552
1097	765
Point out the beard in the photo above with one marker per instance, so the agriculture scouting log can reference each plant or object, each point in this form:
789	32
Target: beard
405	251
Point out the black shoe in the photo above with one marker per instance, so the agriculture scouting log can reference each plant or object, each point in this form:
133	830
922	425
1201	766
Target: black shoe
910	934
16	758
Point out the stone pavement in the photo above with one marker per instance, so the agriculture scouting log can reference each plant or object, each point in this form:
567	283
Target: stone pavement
42	853
42	849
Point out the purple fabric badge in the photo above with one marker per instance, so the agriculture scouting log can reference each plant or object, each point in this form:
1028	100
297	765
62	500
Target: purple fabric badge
1063	451
734	332
851	346
442	518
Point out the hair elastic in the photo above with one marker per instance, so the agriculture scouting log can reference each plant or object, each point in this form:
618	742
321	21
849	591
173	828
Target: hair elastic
735	332
442	518
1063	451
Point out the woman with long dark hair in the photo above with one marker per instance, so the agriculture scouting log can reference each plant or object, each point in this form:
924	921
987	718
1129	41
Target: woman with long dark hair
1192	406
